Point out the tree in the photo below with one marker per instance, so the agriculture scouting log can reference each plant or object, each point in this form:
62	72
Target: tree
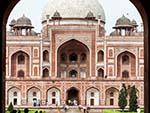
133	105
125	89
26	110
10	107
122	98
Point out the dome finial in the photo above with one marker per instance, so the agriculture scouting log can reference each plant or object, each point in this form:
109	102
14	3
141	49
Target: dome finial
23	15
90	15
56	15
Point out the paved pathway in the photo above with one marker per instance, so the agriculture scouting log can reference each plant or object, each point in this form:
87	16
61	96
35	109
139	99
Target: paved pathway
73	110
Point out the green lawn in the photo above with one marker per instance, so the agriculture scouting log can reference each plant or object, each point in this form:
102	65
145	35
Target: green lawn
30	111
118	111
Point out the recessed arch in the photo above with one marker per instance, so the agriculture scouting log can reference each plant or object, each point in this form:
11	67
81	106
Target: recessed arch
126	61
53	96
92	96
100	56
125	74
33	96
20	73
112	96
72	96
100	73
73	73
45	72
72	52
46	56
21	59
14	96
20	63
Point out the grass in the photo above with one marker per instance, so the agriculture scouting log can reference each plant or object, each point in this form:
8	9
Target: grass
118	111
30	111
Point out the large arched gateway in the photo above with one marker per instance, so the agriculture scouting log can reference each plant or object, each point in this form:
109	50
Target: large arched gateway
73	60
7	7
72	96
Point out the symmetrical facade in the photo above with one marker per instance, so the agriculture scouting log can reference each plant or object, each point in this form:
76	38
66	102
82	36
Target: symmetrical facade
72	59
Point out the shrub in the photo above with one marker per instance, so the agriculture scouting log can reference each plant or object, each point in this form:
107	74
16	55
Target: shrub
10	107
26	110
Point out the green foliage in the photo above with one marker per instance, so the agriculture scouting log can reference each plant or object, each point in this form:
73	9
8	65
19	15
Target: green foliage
133	105
118	111
29	111
26	110
10	107
125	90
122	98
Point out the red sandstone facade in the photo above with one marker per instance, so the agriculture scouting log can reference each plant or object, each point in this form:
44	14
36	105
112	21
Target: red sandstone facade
72	62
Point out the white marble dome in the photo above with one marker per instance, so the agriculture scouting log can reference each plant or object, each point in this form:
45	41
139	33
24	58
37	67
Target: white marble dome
73	8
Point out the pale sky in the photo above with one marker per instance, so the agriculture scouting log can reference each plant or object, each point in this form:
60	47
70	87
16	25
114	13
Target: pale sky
114	9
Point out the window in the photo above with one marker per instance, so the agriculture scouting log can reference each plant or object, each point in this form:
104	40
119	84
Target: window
15	93
125	60
21	59
53	94
125	74
101	73
45	72
45	56
92	94
100	56
73	73
34	94
73	57
20	73
111	94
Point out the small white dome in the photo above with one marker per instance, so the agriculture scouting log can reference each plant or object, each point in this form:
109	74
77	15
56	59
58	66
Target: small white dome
73	9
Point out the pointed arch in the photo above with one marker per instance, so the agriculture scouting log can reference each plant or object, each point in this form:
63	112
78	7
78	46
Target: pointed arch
69	53
112	96
14	96
20	73
45	56
46	72
20	59
53	96
126	61
73	94
125	74
100	56
33	96
100	73
92	97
